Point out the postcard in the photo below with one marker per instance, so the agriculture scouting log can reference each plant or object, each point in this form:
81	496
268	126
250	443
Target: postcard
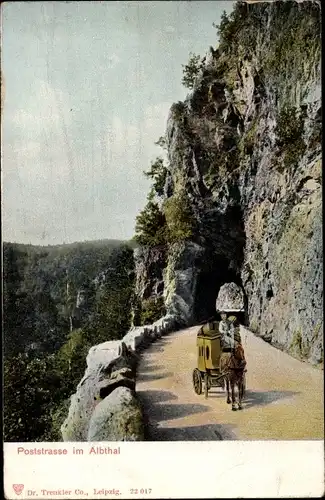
162	249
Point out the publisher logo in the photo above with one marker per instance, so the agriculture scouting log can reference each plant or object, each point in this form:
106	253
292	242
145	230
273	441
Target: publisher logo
18	488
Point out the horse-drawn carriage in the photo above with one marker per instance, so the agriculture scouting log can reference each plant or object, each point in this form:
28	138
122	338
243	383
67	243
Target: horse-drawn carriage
208	374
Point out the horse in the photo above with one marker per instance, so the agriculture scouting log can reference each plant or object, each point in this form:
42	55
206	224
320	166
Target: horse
233	365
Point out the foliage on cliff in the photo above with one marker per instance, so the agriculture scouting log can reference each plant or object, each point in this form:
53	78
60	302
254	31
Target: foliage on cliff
179	217
283	36
152	309
163	221
191	70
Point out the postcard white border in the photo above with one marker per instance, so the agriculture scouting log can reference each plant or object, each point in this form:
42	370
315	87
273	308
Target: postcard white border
221	469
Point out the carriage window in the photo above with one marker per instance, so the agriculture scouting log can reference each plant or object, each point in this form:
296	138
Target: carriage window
207	352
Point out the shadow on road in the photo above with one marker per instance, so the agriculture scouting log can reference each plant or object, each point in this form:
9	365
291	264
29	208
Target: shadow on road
157	410
146	377
158	345
150	368
260	398
156	396
217	394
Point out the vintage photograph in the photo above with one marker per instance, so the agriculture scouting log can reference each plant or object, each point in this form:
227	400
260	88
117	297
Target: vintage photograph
162	255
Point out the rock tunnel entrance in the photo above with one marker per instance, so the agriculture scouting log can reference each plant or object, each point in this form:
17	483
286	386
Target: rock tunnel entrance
222	261
208	286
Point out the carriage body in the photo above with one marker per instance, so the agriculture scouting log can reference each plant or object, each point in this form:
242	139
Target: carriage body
208	348
208	344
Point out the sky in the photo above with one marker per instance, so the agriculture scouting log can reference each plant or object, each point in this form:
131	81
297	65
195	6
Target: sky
88	87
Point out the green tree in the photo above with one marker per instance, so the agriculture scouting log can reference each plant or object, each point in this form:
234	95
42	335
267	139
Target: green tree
150	227
179	218
191	70
18	307
158	173
31	387
71	358
112	317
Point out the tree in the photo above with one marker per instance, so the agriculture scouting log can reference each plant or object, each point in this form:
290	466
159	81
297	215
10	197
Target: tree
112	317
158	173
31	387
150	227
37	385
191	70
18	308
71	358
179	218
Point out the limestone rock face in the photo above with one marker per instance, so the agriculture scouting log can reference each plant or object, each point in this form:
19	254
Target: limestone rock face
149	263
245	147
230	297
149	283
117	418
109	366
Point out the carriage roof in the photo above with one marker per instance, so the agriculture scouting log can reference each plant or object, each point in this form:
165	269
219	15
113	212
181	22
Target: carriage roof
210	331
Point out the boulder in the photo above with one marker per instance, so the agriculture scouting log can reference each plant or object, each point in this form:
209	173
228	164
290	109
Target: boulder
109	366
230	297
118	417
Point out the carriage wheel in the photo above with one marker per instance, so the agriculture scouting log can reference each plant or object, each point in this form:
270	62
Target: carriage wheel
206	385
197	381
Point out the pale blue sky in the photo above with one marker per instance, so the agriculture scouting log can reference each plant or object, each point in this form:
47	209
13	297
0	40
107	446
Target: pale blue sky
88	87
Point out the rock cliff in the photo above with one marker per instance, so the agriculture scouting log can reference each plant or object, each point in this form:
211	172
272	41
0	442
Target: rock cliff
244	158
244	149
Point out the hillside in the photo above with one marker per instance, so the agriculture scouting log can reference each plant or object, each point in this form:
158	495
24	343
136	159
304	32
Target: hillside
57	302
55	287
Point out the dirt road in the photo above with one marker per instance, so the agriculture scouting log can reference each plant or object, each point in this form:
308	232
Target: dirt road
284	398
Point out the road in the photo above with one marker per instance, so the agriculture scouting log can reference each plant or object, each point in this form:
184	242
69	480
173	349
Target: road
284	398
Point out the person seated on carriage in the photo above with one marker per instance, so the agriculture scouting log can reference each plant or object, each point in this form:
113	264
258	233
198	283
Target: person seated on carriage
230	339
226	333
234	328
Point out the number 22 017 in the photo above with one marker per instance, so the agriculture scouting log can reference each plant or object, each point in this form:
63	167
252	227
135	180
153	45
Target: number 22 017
142	491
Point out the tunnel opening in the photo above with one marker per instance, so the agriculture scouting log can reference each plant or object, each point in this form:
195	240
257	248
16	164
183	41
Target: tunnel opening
222	262
209	283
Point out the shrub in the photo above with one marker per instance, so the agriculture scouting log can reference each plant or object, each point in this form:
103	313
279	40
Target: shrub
239	28
112	317
57	417
162	142
179	218
152	310
178	110
289	142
